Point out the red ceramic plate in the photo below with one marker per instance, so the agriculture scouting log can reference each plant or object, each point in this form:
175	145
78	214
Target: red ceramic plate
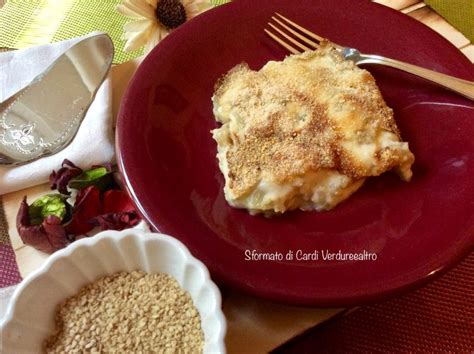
416	229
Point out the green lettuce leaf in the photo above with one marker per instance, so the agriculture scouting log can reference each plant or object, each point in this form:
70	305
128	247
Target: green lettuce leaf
99	177
50	204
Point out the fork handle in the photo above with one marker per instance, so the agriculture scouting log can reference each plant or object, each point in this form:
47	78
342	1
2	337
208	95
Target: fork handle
463	87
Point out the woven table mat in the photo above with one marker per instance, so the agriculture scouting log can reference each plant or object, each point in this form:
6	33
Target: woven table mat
34	22
28	23
436	318
9	274
459	13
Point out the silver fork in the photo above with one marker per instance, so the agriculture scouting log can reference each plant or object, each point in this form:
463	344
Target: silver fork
297	39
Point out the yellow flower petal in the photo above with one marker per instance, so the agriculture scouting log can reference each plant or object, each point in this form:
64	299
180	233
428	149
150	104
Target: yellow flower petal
158	32
136	9
124	10
135	40
137	26
194	8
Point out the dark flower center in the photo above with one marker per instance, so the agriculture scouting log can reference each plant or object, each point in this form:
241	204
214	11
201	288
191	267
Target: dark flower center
170	13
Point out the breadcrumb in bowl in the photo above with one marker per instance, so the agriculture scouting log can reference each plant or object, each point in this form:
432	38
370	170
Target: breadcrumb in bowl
30	317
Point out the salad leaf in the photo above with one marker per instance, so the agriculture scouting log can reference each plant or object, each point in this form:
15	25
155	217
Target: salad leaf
117	221
117	201
50	204
51	223
118	211
49	236
99	177
59	180
87	206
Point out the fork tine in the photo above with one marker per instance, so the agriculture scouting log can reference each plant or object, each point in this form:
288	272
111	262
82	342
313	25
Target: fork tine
296	34
305	31
290	48
291	39
298	27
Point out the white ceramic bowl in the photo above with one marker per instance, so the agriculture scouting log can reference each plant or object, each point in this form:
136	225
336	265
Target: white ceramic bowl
30	317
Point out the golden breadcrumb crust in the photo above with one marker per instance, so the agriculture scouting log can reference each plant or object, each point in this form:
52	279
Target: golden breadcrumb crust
310	112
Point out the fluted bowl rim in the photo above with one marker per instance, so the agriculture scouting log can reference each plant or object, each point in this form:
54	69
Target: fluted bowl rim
116	238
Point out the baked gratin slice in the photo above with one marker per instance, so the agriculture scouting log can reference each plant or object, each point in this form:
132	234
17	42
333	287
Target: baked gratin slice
303	133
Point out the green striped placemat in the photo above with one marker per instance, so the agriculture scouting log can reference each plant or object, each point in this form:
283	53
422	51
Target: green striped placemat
25	23
459	13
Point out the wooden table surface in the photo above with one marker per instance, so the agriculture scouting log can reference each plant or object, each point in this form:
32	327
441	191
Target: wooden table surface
30	259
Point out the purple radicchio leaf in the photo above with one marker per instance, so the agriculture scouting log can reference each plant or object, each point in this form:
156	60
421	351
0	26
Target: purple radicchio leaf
59	180
117	221
49	236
